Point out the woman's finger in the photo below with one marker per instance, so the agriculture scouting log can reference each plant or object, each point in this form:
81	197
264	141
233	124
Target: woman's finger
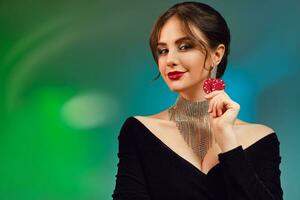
218	105
215	107
211	102
212	94
212	105
220	108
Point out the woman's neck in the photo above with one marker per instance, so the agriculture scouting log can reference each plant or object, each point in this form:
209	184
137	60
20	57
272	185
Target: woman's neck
195	93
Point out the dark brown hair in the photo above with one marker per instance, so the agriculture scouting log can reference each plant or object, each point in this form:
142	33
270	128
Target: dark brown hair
209	21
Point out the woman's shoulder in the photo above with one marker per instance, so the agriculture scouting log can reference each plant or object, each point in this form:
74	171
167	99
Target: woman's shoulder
141	121
248	133
255	130
251	133
135	125
157	118
128	126
260	129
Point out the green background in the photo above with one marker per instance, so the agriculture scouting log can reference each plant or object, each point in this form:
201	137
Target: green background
71	72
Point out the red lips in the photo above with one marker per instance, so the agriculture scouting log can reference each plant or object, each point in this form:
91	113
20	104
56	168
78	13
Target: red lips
175	75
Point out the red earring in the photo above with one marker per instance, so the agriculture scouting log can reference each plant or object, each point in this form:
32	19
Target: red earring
212	84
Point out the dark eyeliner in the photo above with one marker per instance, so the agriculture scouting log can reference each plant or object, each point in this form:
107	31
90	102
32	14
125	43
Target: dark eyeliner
187	46
160	51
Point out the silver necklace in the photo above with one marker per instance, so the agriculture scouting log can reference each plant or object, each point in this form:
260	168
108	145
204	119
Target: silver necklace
192	120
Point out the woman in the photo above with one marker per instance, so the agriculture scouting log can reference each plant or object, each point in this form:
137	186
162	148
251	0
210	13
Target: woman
197	148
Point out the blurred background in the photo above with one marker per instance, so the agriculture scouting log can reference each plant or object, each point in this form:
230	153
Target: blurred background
71	72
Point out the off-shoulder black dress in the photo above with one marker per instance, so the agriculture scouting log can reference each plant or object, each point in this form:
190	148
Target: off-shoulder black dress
149	169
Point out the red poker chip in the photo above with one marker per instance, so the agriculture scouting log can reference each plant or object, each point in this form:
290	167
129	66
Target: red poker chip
212	84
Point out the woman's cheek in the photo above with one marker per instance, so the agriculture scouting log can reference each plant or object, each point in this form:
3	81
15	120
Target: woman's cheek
161	68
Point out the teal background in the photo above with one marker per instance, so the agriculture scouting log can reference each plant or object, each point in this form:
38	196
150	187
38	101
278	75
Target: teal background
72	72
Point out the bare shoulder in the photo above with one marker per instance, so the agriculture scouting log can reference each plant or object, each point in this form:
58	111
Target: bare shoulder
249	133
163	115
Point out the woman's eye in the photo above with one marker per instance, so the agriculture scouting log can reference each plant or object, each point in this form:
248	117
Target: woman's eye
185	46
161	51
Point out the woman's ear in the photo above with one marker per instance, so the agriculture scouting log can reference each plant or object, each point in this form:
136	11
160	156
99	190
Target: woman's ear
218	53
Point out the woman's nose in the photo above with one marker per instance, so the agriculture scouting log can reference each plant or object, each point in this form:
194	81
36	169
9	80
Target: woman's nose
172	58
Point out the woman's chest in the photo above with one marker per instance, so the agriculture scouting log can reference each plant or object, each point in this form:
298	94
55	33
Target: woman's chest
168	138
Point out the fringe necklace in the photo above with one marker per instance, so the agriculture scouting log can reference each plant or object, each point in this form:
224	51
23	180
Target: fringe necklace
192	120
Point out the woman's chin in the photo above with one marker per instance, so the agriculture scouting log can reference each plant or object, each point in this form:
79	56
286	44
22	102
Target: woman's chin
176	89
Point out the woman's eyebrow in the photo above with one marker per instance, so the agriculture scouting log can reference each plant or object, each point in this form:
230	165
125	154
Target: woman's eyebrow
177	41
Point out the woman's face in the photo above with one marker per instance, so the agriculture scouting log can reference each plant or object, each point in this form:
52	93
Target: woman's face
178	53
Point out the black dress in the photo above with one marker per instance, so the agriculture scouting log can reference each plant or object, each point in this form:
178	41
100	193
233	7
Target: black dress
149	169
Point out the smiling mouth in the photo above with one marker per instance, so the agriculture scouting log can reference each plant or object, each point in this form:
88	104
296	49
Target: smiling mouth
175	75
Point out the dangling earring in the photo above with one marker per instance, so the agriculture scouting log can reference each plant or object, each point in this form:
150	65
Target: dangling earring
213	70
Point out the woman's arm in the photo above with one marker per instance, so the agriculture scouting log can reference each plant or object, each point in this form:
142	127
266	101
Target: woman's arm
240	177
243	181
130	181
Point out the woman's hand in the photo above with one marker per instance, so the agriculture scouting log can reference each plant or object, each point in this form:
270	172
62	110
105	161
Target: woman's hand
224	112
